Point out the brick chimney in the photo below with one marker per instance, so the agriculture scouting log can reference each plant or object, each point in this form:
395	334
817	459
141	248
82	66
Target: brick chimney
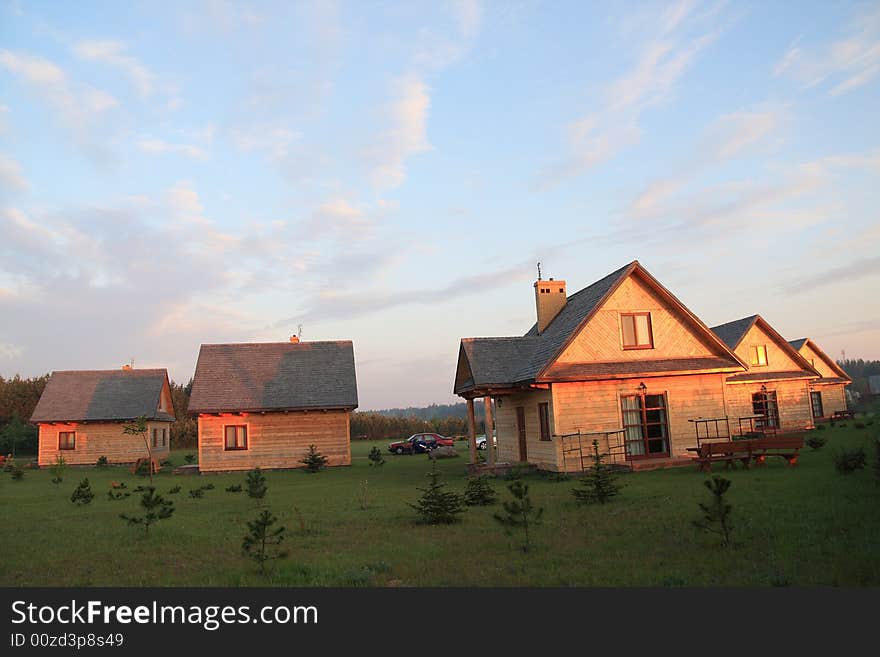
294	339
126	368
549	300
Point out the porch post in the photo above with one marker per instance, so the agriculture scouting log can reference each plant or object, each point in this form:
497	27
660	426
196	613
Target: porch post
472	431
490	445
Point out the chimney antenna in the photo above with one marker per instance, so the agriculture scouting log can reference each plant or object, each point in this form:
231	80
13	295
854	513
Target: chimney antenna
539	271
299	331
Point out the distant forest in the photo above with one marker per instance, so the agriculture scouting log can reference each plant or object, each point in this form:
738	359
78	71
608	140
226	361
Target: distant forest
19	396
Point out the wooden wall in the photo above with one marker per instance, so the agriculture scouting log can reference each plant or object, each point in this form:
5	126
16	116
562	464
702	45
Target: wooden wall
542	452
275	440
99	439
601	339
778	360
833	397
793	399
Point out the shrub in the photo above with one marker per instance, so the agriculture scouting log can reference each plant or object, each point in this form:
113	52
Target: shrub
102	462
17	473
234	489
57	470
600	481
117	491
716	514
174	490
847	461
190	459
520	512
155	508
82	494
816	442
314	460
820	427
256	484
479	492
196	493
437	506
261	542
376	458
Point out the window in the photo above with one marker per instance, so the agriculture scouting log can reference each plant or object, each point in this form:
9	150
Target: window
816	403
645	425
66	440
164	437
759	355
155	437
236	437
544	417
764	403
636	328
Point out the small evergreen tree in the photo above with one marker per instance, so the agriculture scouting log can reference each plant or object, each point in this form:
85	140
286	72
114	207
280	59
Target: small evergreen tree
364	495
256	484
437	506
174	490
138	427
716	514
520	512
189	459
816	442
82	494
262	541
17	473
376	458
847	461
155	507
314	460
196	493
57	470
479	492
102	462
600	481
234	489
117	491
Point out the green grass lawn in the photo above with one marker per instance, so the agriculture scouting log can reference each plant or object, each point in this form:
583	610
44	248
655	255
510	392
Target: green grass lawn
802	526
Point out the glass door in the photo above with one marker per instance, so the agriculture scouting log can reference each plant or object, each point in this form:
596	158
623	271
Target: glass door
645	425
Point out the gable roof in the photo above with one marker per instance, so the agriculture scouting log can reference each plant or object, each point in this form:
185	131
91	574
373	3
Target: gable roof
102	395
509	361
274	376
732	333
799	344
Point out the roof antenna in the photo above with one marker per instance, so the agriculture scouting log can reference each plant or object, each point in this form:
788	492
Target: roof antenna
539	271
299	331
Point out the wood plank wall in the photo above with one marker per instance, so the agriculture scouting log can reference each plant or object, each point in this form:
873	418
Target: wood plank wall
99	439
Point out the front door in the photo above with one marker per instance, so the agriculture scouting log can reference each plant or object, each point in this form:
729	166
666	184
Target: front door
764	403
645	426
521	431
816	403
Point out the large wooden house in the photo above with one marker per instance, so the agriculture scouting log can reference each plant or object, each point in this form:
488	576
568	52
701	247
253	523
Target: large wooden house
622	361
827	393
263	404
81	414
774	393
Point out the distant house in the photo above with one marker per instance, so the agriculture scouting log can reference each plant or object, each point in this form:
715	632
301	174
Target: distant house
263	404
828	393
874	384
80	415
776	386
622	360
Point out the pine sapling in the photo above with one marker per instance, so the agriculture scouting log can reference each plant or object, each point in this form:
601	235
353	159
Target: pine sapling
376	458
479	492
17	473
314	461
57	470
82	494
364	495
236	488
102	462
262	541
716	514
600	481
437	506
520	512
155	507
256	484
138	427
174	490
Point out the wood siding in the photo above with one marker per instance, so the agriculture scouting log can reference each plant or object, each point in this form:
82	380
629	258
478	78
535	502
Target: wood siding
98	439
777	359
673	334
542	452
792	398
818	362
275	440
833	397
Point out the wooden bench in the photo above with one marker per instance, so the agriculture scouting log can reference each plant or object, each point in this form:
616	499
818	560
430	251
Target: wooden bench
843	415
728	452
786	447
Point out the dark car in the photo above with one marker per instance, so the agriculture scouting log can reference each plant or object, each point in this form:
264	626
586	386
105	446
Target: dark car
419	443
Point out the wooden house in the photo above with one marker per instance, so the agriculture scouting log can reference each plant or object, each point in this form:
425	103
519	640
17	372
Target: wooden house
828	393
80	415
775	389
622	361
264	404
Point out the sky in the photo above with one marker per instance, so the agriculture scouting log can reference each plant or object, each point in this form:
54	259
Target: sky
179	173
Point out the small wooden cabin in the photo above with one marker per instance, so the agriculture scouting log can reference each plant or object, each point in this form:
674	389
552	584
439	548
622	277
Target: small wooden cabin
828	393
777	382
263	404
81	413
622	361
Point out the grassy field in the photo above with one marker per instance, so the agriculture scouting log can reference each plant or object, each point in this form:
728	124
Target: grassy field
803	526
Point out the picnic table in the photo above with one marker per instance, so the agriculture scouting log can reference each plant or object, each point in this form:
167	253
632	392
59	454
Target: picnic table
744	451
843	415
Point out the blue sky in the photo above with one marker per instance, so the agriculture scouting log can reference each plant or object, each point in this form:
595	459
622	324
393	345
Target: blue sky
390	172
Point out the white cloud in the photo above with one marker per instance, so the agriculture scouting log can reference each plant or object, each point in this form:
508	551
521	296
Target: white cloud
844	64
112	53
10	351
406	136
160	147
468	14
274	139
736	132
339	218
11	176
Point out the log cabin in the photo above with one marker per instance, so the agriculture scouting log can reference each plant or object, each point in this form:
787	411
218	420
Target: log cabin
80	415
622	361
774	392
828	393
263	404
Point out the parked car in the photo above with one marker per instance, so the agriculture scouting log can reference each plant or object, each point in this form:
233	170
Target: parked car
419	443
481	440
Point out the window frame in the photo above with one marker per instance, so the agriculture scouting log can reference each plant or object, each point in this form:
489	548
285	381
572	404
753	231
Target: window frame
643	410
236	448
753	355
544	420
67	446
634	315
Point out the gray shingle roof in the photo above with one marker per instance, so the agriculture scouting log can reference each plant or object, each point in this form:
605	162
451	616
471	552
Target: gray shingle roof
274	376
732	332
797	344
102	395
495	361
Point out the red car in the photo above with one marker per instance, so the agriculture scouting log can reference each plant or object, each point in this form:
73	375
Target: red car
419	443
